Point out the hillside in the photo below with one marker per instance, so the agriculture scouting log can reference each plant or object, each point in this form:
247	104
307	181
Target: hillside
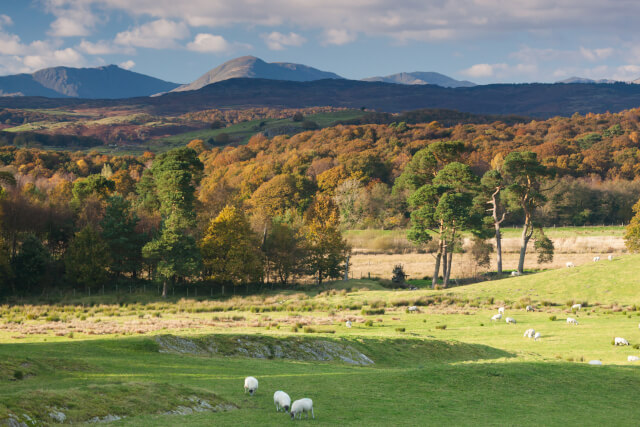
107	82
533	100
421	78
256	68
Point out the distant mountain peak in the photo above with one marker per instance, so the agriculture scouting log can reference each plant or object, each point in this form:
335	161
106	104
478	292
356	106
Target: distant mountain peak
253	67
421	78
107	81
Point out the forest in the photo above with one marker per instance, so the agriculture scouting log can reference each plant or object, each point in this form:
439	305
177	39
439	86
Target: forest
273	210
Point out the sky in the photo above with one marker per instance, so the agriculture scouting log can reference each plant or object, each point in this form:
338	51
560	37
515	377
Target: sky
485	41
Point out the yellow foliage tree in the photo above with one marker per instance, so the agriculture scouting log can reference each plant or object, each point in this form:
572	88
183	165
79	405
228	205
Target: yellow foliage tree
230	249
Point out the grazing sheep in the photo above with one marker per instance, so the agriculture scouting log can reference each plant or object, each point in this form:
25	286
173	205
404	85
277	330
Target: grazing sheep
282	401
576	307
529	333
529	308
300	406
610	257
596	258
515	273
250	384
413	308
595	362
633	358
572	321
510	320
496	316
348	324
537	336
501	310
569	264
620	341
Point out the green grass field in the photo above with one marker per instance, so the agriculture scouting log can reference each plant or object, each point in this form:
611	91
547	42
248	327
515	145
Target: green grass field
245	130
96	356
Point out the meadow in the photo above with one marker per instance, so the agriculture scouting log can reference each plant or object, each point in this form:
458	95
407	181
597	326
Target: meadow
182	361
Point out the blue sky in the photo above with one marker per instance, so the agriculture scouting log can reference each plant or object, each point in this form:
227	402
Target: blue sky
485	41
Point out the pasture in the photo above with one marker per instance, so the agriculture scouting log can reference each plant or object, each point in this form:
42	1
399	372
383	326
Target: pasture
118	355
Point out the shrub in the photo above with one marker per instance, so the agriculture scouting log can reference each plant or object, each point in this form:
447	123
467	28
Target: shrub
294	329
443	327
552	318
636	346
309	330
18	375
372	311
400	329
368	323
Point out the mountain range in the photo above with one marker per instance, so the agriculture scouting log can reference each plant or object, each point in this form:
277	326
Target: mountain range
106	82
584	80
531	100
421	78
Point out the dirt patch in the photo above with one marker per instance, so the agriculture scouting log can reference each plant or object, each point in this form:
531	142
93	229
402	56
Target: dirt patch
264	348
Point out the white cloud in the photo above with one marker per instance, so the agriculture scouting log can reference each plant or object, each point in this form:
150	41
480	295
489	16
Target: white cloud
103	47
68	57
482	70
278	41
5	21
404	19
159	34
596	54
338	37
208	43
127	65
72	20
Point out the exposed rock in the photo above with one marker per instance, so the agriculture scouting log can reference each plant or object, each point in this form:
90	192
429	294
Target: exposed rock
57	416
106	419
200	405
257	347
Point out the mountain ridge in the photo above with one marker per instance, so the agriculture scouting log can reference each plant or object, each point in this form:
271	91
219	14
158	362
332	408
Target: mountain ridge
252	67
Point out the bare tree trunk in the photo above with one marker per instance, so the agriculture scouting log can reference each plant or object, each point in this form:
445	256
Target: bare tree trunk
449	267
445	264
496	223
164	288
434	280
498	248
527	232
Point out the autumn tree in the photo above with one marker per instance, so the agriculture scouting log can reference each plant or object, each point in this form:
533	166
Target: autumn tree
525	175
632	231
230	249
284	251
326	250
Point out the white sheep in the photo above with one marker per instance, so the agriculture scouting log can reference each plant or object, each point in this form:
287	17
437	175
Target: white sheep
413	308
348	324
529	308
300	406
537	336
529	333
596	258
496	316
620	341
282	401
576	307
250	384
595	362
515	273
610	257
501	310
633	358
572	321
569	264
510	320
